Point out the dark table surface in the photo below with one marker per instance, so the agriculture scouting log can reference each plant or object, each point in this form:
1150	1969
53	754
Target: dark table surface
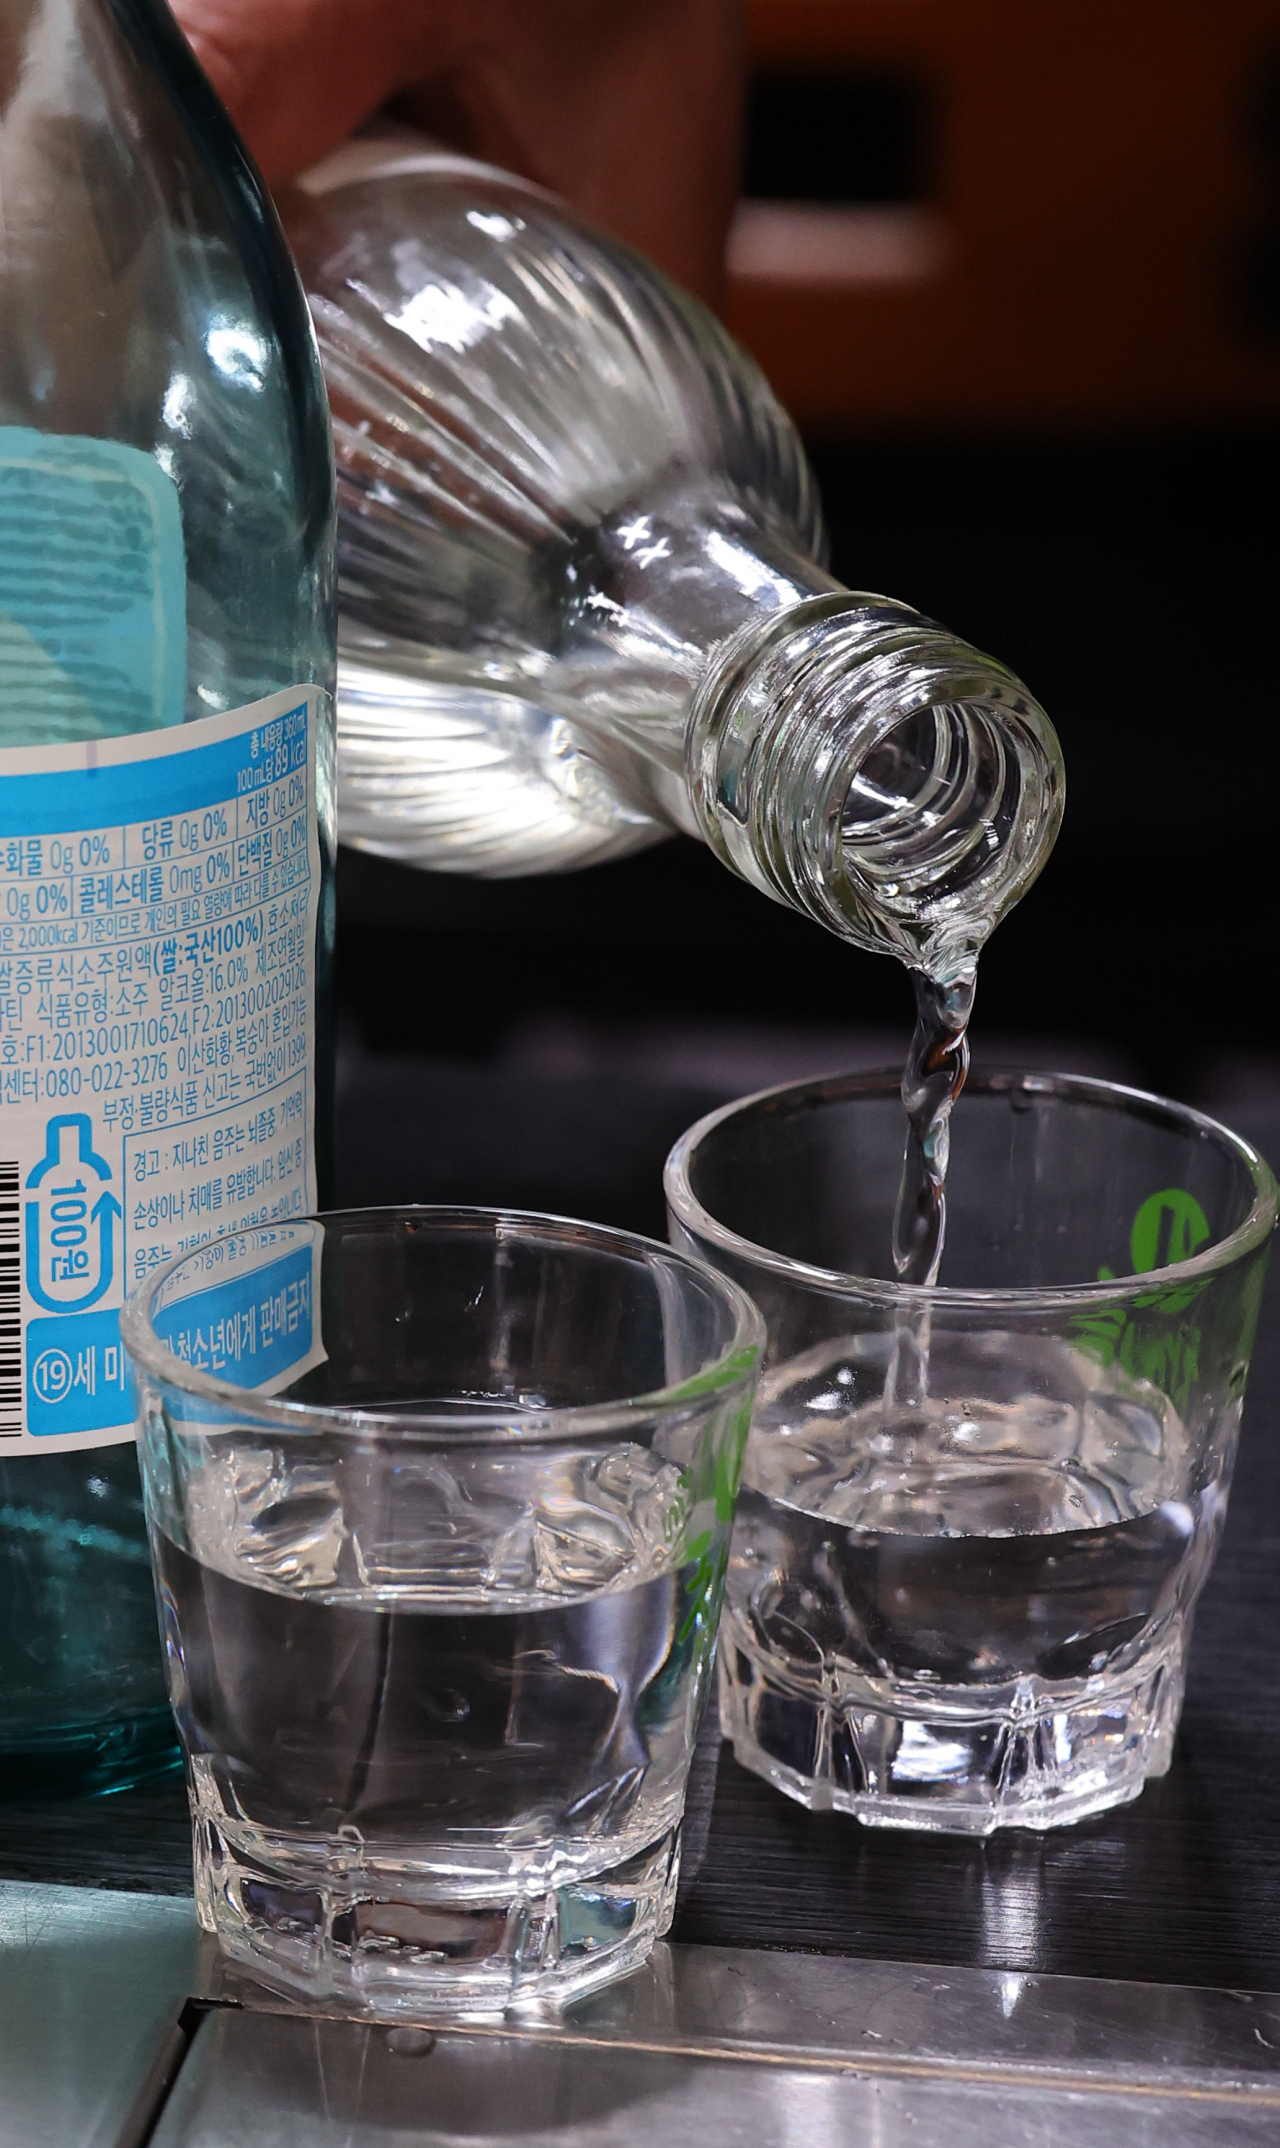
1181	1887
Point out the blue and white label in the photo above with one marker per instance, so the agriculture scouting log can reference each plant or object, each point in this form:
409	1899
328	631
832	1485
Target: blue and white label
77	1368
93	587
256	1327
71	1215
158	905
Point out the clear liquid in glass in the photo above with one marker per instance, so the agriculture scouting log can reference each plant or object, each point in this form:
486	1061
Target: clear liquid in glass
397	1727
928	1597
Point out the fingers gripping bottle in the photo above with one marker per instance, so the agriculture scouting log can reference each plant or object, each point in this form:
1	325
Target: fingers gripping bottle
166	812
581	585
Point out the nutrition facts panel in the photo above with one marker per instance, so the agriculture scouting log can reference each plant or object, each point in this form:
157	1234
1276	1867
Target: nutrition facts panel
158	902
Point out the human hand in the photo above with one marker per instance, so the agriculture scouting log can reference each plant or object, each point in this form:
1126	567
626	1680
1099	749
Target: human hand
629	108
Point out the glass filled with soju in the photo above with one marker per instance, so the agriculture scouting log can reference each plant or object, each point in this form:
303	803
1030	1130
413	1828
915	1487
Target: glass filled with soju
976	1514
440	1503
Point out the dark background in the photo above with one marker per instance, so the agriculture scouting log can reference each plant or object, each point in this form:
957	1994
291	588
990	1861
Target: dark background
1122	558
1132	583
543	1042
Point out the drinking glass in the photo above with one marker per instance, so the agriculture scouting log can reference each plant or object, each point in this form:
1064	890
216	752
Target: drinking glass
440	1503
975	1518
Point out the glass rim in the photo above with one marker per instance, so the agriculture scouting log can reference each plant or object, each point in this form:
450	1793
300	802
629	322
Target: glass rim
742	1355
1248	1235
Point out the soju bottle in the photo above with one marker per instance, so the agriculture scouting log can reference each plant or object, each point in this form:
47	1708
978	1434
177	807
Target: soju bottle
582	593
166	823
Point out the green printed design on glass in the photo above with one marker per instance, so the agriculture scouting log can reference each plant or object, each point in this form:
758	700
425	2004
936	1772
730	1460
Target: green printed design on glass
710	1487
1169	1227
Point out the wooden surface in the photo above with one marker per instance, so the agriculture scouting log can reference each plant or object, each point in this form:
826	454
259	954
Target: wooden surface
1103	191
1183	1887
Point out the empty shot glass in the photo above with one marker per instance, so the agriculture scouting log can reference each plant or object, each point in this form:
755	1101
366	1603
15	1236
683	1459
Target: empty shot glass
975	1518
440	1503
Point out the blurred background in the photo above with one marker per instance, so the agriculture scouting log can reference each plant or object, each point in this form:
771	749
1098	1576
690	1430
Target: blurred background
1016	271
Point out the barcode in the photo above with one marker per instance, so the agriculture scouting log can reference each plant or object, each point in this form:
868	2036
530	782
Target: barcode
10	1306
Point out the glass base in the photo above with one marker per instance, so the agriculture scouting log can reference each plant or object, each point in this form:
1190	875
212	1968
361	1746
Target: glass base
1052	1755
402	1946
88	1759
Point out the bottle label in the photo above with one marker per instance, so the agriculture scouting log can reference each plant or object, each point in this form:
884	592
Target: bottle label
159	897
93	587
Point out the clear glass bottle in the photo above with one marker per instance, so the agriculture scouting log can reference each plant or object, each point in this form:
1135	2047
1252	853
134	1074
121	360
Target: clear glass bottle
166	806
581	592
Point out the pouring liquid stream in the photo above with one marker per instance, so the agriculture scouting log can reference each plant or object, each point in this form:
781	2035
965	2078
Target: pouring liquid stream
934	1075
932	1079
938	819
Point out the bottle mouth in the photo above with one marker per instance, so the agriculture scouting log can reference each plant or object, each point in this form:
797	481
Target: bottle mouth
933	822
863	765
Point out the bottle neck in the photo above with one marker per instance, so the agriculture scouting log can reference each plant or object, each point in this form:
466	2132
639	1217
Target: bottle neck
865	767
652	595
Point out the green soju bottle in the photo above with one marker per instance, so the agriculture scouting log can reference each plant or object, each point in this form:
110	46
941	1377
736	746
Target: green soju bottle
166	808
